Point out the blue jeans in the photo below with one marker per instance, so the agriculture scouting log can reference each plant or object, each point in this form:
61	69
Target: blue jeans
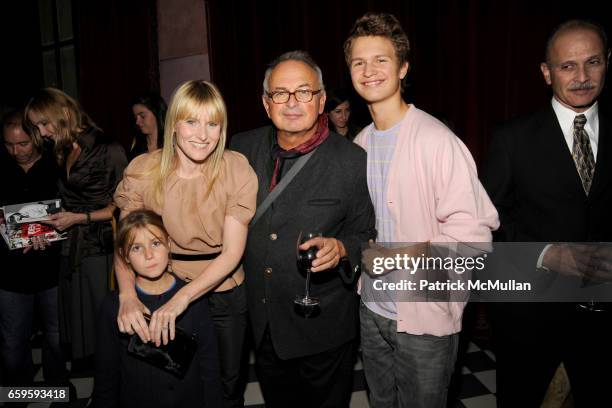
405	370
17	311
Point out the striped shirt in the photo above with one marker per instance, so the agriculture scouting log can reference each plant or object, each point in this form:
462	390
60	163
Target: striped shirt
380	148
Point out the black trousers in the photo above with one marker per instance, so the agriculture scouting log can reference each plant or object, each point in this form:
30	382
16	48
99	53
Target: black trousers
317	381
529	351
229	314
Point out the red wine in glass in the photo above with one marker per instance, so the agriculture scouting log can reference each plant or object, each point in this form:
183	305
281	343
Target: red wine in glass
304	261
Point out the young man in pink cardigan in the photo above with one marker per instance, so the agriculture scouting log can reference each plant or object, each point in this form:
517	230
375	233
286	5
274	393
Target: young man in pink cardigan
425	189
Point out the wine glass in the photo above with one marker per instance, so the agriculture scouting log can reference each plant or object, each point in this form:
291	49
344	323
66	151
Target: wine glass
304	261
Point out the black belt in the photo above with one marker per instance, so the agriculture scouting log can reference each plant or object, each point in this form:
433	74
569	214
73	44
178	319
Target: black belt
194	257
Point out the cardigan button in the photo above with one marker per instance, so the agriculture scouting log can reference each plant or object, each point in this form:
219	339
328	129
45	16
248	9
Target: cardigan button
273	236
268	271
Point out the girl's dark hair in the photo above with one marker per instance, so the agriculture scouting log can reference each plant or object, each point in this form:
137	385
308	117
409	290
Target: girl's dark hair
335	97
127	227
156	104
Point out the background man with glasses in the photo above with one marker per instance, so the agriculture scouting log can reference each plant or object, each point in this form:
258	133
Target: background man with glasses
304	362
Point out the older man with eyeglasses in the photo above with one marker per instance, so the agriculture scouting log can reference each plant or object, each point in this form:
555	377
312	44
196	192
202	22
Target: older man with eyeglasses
304	355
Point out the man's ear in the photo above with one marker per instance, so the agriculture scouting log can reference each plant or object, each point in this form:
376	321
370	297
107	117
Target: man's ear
403	70
545	72
266	104
322	102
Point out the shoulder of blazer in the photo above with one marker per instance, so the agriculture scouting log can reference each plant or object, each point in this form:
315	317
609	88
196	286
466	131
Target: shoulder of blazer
245	141
531	122
343	149
524	128
605	119
250	136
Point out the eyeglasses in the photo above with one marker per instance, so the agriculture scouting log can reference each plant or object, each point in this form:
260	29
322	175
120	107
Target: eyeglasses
301	95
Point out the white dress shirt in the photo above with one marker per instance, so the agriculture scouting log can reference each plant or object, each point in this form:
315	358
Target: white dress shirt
566	116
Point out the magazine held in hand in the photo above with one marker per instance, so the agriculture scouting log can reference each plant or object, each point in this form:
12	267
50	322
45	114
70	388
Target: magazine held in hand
22	223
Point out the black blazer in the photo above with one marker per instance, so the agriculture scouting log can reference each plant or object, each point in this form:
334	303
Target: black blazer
329	195
531	178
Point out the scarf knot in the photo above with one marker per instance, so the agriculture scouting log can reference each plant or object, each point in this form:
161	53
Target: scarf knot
279	154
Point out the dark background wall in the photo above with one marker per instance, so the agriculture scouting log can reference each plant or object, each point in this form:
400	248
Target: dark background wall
116	53
21	66
474	63
118	59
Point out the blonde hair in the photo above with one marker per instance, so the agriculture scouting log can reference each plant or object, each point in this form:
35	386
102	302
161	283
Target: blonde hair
64	113
189	100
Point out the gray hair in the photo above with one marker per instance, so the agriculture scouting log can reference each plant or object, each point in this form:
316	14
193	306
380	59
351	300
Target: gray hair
297	55
576	24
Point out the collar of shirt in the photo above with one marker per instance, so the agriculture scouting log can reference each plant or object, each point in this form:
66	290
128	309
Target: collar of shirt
566	116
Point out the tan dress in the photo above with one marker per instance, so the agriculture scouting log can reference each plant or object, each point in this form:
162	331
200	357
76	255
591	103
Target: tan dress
193	219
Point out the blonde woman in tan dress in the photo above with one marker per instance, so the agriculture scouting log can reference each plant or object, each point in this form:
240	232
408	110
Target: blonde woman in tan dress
206	197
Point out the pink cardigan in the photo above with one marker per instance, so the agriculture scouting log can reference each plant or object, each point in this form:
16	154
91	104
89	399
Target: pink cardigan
434	195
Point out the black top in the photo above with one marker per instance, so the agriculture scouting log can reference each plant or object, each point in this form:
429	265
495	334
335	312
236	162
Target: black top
329	195
94	175
352	132
122	380
35	270
140	146
89	187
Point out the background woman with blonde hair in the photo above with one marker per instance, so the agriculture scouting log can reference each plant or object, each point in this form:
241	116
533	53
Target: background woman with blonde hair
90	168
206	197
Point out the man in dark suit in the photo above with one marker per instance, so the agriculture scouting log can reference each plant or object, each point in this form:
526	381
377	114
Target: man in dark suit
304	361
549	176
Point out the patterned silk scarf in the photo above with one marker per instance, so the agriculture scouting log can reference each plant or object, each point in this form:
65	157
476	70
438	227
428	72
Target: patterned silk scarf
279	154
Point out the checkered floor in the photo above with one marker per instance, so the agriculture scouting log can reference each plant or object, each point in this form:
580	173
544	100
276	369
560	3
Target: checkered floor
472	387
476	380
